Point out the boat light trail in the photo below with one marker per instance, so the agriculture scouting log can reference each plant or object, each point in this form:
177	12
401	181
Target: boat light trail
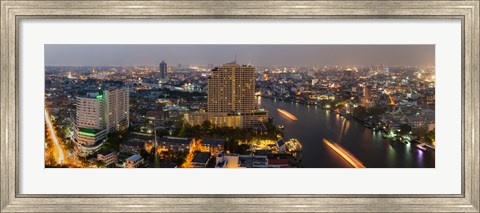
289	115
352	160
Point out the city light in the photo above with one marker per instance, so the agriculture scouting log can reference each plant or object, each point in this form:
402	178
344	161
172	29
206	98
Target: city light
287	114
381	111
61	156
352	160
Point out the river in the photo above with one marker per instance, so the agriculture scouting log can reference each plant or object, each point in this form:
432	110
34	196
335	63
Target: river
369	147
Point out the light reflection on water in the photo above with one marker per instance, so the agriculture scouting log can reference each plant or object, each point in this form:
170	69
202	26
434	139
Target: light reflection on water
370	147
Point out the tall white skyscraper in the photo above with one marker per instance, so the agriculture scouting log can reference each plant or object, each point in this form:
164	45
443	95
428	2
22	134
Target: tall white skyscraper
99	113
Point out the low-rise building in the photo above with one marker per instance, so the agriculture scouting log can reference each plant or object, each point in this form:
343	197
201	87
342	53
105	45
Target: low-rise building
222	119
281	146
200	160
178	144
224	160
416	122
107	157
213	145
132	147
253	161
280	163
133	161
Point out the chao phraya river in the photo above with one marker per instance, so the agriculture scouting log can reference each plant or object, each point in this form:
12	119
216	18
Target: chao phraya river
313	124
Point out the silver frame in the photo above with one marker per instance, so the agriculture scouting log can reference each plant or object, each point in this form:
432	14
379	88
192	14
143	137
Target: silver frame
12	11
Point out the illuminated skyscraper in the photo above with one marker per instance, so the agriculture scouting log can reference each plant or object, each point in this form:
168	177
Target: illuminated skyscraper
231	99
231	88
89	125
116	108
99	113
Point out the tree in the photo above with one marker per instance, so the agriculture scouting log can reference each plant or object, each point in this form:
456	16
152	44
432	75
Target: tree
359	112
243	149
113	141
181	158
375	111
100	164
420	133
206	125
146	155
161	133
430	137
405	129
184	131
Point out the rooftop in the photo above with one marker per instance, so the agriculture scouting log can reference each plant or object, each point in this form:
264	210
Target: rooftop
215	141
277	161
175	140
134	157
133	143
253	161
106	152
201	157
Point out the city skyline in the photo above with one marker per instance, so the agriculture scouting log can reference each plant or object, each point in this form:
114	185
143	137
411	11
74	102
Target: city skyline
236	114
152	55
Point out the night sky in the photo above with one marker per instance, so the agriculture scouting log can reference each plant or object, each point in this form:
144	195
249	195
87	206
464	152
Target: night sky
134	55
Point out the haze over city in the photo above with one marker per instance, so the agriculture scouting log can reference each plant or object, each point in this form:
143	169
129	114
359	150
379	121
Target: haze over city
240	106
151	54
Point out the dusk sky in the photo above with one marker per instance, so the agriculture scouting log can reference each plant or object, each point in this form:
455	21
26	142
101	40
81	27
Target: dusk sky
124	54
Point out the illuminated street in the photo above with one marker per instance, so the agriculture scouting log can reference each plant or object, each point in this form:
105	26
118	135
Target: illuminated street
175	109
60	153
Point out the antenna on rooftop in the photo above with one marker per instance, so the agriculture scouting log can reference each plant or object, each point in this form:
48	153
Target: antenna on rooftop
235	61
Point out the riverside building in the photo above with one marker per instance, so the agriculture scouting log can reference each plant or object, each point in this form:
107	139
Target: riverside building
231	98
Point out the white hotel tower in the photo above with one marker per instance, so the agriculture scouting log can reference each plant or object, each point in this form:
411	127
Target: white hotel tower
99	113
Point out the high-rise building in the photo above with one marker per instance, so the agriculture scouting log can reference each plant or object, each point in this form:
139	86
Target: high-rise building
163	69
386	71
348	74
366	100
116	108
99	113
231	99
367	91
89	123
231	88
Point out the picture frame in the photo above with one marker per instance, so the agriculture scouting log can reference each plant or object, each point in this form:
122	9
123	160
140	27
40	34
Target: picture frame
14	11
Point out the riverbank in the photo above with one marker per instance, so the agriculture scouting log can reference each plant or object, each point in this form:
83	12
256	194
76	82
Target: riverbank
315	123
371	124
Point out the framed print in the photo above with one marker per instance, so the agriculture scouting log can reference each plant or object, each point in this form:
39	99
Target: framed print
250	106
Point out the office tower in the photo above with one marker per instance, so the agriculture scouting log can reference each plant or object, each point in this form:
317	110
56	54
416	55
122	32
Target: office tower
231	88
163	69
99	113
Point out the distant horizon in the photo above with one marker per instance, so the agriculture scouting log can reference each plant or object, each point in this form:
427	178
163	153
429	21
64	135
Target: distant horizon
259	55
